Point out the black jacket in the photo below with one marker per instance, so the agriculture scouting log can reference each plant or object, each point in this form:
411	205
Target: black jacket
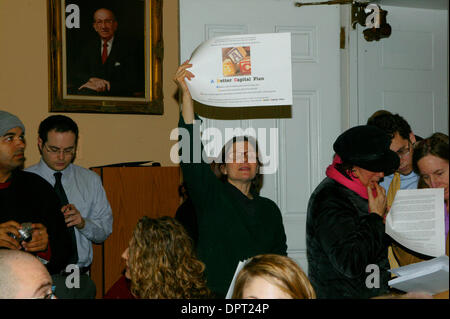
343	239
30	198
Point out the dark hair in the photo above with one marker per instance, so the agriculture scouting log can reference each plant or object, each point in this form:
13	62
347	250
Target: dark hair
390	123
256	183
436	145
345	169
104	8
59	123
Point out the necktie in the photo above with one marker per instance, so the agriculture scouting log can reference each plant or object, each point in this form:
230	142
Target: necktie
59	189
393	188
104	52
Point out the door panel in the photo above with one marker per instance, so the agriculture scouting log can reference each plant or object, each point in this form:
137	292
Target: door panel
407	73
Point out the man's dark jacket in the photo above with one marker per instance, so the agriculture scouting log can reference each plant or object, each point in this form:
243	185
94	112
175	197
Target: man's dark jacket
30	198
124	67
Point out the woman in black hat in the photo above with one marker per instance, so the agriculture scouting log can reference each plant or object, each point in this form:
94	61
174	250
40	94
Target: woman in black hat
346	241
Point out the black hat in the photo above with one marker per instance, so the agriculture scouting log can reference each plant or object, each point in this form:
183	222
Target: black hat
367	146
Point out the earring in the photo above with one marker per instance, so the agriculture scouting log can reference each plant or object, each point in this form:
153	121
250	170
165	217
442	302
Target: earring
223	169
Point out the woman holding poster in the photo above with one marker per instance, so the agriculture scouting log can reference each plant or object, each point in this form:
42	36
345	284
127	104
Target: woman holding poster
234	222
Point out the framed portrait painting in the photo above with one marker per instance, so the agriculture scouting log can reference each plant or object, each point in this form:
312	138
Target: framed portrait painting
105	56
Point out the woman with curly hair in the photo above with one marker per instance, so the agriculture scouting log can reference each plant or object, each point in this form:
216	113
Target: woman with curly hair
271	276
161	264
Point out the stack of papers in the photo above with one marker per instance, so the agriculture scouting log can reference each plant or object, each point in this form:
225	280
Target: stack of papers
417	220
429	276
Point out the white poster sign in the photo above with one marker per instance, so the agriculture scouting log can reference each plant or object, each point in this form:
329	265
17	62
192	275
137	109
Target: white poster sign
243	70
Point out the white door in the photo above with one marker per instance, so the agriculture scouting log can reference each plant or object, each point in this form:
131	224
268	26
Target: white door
407	73
306	130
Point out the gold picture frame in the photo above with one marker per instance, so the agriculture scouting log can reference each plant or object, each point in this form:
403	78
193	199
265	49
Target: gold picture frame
129	80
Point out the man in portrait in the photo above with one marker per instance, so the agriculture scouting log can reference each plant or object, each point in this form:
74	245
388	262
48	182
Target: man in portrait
111	64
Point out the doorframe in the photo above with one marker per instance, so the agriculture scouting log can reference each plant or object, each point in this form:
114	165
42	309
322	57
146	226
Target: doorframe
349	71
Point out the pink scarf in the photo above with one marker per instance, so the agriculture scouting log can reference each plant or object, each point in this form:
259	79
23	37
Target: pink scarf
354	184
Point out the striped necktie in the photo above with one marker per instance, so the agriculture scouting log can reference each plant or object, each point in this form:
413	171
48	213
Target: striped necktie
393	188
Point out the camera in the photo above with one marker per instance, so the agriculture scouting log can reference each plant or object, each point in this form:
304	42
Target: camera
25	233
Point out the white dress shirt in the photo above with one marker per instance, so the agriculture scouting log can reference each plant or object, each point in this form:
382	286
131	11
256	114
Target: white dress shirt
84	189
110	43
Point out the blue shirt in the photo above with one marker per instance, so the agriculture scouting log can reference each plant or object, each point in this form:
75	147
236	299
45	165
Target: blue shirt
84	189
406	181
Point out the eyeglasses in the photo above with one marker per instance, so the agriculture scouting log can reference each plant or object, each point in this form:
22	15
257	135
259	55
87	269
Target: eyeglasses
240	156
48	295
106	21
56	151
403	152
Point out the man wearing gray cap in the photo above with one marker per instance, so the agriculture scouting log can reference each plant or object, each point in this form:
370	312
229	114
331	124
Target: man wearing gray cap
27	198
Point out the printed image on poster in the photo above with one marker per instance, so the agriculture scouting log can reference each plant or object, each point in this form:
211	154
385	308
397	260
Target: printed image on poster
236	61
240	70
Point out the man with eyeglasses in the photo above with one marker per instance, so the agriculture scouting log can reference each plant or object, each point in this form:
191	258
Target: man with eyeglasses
402	142
27	198
83	201
109	65
22	276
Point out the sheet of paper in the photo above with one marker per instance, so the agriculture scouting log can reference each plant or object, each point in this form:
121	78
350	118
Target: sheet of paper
433	264
238	269
416	220
428	276
243	70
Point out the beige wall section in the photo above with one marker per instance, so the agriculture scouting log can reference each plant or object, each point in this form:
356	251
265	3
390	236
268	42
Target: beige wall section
104	138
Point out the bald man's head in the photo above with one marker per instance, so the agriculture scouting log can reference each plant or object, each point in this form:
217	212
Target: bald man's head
105	23
22	276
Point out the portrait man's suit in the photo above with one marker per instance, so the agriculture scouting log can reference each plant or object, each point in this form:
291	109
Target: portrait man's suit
124	68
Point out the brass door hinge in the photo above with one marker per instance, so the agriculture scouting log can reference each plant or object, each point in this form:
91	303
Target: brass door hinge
342	38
